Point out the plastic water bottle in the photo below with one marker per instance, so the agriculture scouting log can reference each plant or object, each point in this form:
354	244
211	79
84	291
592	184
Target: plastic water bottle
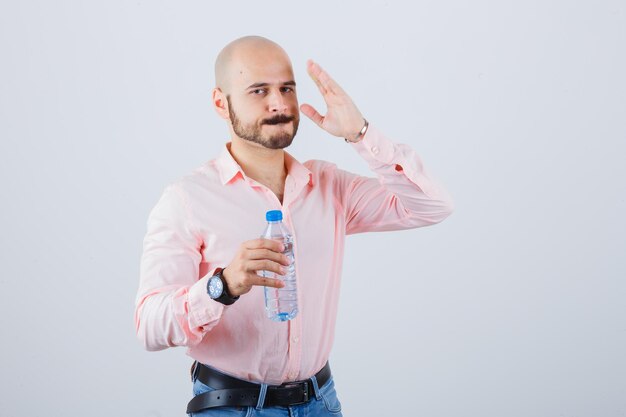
281	304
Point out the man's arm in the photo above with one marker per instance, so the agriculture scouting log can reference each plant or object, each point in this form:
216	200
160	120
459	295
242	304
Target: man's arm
173	307
403	196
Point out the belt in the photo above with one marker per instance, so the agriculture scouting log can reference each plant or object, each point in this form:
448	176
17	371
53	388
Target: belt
234	392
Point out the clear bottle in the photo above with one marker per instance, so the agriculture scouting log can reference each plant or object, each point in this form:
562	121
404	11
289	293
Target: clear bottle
281	304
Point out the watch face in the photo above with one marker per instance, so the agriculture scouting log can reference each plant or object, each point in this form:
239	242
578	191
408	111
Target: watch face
215	287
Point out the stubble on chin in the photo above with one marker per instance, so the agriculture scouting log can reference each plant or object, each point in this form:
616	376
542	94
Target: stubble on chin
281	139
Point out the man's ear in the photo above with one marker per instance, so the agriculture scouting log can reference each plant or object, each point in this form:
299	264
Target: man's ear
220	103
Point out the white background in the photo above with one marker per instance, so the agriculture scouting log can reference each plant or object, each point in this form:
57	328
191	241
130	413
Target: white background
514	306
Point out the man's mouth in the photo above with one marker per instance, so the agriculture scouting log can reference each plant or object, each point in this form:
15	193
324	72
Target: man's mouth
278	120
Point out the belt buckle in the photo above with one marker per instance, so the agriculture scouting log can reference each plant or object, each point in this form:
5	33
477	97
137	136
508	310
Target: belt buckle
305	391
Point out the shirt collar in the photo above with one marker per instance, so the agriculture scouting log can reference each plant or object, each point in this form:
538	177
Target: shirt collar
229	170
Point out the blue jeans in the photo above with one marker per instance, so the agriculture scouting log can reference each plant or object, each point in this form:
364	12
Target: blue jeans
324	404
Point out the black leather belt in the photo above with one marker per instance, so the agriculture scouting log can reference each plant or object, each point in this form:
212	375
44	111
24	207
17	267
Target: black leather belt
235	392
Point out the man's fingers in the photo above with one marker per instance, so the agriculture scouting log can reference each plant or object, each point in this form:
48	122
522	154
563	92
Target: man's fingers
266	265
322	78
267	282
260	254
312	114
261	243
314	71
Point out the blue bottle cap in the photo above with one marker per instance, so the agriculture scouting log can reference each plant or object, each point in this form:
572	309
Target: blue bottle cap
274	215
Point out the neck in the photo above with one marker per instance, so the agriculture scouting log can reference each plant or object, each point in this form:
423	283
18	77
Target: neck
266	166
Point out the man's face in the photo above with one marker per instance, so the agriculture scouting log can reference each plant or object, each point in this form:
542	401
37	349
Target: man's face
263	106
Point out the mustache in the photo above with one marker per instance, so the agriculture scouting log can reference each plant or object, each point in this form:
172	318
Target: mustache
282	118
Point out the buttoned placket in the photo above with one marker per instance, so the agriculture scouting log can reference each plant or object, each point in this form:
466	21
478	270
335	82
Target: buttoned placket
294	330
295	324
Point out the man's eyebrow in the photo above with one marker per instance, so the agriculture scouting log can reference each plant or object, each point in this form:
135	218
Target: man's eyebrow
258	85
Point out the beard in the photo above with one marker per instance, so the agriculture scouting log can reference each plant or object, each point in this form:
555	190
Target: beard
252	132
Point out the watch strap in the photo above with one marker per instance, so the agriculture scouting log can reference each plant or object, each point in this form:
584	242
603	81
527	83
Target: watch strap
225	298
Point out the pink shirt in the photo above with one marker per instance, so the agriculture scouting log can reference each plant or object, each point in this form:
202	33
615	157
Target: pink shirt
201	220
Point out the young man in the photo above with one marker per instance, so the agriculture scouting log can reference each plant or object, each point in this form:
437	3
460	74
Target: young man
199	285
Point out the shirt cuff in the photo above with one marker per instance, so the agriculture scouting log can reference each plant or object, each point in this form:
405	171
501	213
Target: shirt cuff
394	162
374	147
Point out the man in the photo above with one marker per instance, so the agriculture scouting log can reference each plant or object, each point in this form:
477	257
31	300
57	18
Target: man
201	237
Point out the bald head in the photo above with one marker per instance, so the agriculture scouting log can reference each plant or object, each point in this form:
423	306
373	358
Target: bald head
244	54
255	93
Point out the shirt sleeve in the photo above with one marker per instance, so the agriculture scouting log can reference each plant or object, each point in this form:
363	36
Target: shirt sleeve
403	196
173	307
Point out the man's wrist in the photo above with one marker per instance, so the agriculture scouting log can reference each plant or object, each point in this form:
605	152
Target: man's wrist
359	136
226	290
218	288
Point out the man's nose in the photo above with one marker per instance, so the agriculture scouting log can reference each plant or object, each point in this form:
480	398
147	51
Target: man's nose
277	102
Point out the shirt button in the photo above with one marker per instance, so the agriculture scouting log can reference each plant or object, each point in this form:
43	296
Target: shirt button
294	339
375	150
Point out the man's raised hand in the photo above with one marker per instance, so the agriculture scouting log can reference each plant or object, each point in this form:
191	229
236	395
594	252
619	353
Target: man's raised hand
342	118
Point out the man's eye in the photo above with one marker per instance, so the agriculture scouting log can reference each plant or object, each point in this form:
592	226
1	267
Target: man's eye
287	89
258	91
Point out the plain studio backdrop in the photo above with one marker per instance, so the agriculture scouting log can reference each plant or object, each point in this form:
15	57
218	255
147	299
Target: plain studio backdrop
514	306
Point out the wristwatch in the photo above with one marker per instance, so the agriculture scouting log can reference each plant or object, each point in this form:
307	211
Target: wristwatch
218	290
